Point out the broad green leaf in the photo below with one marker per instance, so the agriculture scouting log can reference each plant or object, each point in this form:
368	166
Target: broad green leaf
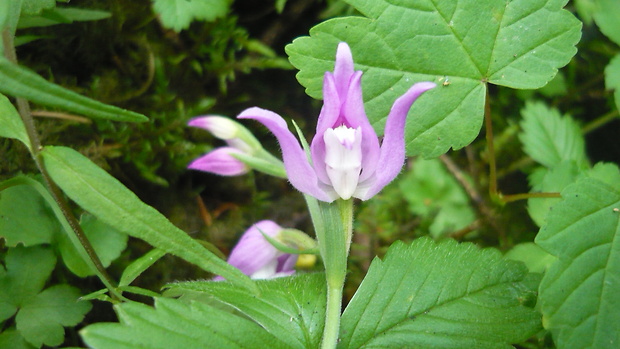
42	318
68	15
25	218
550	138
27	268
34	7
436	196
179	14
12	339
139	265
553	180
290	308
109	200
606	17
175	324
532	255
441	295
580	293
107	242
18	81
612	78
460	44
11	124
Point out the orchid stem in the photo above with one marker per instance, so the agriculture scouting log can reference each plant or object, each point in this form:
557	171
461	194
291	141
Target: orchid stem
333	224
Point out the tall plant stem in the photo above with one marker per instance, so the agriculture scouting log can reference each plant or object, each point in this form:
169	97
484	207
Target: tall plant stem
35	147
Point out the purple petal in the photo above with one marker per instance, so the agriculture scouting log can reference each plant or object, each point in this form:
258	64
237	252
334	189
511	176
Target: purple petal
221	127
355	115
392	155
343	68
301	175
220	162
253	251
327	118
286	263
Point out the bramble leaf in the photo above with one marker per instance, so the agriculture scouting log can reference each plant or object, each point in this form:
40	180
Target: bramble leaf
612	78
606	17
174	324
25	218
42	318
27	269
550	138
290	308
107	242
580	293
460	44
179	14
441	295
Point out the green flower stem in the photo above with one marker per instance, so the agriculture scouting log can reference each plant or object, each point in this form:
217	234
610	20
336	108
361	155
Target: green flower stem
24	111
334	229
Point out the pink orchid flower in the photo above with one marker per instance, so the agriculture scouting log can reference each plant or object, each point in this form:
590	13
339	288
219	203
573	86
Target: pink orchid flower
258	258
347	160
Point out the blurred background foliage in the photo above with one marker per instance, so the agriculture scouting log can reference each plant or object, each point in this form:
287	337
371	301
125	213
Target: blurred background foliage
230	56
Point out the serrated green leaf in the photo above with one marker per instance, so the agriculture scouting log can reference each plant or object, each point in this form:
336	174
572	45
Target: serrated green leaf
434	194
42	318
553	180
533	256
27	268
18	81
606	17
25	218
139	265
107	242
12	339
461	44
580	293
440	295
109	200
290	308
179	14
11	124
550	138
174	324
612	78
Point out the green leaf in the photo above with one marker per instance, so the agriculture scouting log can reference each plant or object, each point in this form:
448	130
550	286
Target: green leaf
179	14
61	16
550	138
606	17
580	293
12	339
107	242
441	295
436	196
138	266
27	268
41	320
612	78
553	180
18	81
11	124
25	218
174	324
532	255
290	308
460	44
109	200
